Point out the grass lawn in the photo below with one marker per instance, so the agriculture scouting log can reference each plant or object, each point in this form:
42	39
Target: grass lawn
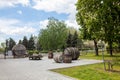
106	56
90	72
94	71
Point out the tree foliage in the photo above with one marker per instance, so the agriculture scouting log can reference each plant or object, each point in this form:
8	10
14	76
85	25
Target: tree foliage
69	40
2	47
54	36
20	42
75	39
25	42
10	43
99	19
72	39
31	43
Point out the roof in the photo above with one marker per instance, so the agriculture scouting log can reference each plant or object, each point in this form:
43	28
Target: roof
19	47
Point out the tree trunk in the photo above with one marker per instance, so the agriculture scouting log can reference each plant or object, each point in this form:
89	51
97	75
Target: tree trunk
110	48
96	47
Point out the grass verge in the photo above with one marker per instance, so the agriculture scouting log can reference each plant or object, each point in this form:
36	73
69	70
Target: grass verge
100	57
90	72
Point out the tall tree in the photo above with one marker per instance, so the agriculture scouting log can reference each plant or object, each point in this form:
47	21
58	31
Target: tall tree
69	40
31	43
25	42
54	36
75	39
72	39
86	18
43	39
110	23
10	43
92	17
20	42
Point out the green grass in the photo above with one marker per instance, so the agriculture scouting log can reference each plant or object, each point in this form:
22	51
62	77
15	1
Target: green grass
90	72
94	71
92	56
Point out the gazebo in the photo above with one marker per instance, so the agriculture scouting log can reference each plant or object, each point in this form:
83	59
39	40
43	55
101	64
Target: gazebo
19	50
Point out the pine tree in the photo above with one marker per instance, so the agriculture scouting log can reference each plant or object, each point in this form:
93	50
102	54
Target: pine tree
69	40
31	43
20	42
25	42
74	39
11	43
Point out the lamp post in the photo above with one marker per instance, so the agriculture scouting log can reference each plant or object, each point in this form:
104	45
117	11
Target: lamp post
102	47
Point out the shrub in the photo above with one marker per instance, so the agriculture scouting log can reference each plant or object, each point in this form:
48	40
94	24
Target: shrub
30	52
44	51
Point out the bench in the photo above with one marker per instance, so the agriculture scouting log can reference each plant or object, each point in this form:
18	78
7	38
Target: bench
112	63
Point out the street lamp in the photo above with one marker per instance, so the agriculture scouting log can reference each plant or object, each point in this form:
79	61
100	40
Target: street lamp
102	47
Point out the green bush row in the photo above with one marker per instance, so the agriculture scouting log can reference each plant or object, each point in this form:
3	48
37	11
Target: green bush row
33	52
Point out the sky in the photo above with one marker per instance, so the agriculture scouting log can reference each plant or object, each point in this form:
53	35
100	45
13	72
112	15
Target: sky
19	18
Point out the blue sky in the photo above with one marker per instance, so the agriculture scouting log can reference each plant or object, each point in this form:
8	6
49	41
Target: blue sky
20	18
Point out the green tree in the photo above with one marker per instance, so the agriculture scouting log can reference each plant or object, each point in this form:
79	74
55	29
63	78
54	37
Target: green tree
54	36
20	42
75	39
86	17
69	40
25	42
111	23
95	24
31	43
43	39
3	46
10	43
72	39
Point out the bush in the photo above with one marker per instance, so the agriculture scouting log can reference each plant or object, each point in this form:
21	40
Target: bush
33	52
36	51
44	51
30	52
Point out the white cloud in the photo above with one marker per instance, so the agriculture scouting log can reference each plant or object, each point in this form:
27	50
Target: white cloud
11	27
19	30
12	3
72	24
58	6
19	12
14	28
69	23
43	24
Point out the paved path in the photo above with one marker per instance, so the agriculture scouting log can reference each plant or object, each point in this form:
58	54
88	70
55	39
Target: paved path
25	69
